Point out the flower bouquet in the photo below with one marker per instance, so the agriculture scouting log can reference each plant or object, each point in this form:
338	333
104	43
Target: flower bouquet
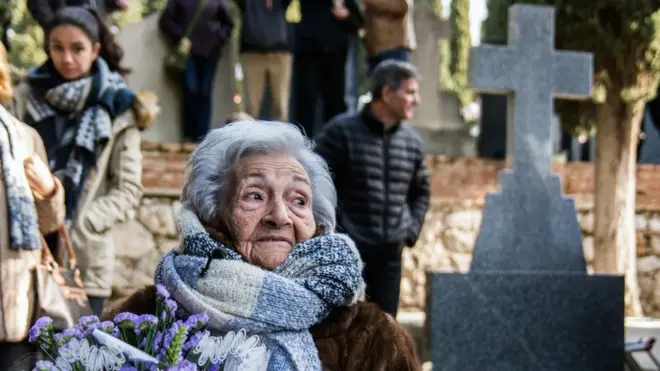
146	342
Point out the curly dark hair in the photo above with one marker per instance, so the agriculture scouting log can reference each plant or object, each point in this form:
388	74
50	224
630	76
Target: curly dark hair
94	26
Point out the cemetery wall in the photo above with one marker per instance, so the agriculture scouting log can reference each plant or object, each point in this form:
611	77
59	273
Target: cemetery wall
458	187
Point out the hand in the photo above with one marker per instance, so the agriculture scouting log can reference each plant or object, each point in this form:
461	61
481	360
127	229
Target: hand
185	45
123	4
39	176
340	13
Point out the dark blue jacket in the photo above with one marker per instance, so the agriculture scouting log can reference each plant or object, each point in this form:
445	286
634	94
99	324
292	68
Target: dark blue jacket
212	30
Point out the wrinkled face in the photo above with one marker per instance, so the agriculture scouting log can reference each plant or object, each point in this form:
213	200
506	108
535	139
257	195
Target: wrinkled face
271	209
403	101
71	51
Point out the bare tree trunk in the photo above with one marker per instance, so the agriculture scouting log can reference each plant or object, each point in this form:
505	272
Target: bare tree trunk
615	241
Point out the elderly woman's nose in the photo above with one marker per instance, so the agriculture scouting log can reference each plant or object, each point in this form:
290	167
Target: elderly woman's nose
278	214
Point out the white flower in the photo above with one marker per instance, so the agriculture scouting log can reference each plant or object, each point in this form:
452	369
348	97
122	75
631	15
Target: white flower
94	358
236	350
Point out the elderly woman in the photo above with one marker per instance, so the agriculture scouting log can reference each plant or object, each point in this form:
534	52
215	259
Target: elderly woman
259	252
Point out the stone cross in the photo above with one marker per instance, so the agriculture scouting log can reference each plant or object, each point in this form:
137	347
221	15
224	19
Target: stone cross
527	302
530	68
529	226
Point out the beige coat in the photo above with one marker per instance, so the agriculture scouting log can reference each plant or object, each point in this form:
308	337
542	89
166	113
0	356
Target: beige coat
112	193
16	283
386	25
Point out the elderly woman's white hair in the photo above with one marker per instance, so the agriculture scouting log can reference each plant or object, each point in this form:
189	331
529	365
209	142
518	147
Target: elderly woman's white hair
208	170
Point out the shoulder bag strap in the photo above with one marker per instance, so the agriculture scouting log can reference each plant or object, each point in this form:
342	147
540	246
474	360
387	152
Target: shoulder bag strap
47	257
201	5
63	235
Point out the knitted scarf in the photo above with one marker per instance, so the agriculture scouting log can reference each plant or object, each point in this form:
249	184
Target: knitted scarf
74	118
320	274
23	220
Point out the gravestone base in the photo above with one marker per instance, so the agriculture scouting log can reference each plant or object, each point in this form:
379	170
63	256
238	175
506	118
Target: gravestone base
512	321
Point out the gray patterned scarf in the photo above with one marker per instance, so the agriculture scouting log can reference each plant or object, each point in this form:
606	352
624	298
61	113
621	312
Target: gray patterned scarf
87	108
320	274
23	220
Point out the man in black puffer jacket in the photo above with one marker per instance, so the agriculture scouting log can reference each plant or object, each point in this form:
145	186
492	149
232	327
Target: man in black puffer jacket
381	179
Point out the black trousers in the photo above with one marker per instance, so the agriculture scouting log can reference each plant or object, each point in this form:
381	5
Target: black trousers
17	356
197	97
382	274
318	74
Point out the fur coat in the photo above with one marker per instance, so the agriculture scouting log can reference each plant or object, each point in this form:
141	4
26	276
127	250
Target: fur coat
361	337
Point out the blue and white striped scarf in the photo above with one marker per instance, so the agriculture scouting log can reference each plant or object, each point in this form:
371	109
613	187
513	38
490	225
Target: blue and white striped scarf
320	274
23	220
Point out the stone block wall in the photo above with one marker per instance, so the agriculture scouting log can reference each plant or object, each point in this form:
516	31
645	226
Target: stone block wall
458	186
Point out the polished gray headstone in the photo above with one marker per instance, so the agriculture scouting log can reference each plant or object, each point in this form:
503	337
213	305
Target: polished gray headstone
516	322
528	302
529	225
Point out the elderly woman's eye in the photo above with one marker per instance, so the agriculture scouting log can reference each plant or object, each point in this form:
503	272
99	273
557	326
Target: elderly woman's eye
300	201
254	196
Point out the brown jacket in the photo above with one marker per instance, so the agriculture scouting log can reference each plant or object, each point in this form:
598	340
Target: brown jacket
386	25
361	337
112	193
16	284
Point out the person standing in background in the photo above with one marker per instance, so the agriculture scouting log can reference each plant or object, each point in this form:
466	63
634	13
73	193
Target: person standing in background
382	182
31	203
320	50
90	123
43	10
207	40
266	54
388	30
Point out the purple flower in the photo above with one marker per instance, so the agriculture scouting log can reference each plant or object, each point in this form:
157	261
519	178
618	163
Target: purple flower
127	368
171	306
44	366
42	325
87	321
193	341
107	326
126	320
183	366
90	329
168	312
68	334
157	341
145	322
162	292
197	321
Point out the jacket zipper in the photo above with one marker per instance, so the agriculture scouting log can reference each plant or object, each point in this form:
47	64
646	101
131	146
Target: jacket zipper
386	187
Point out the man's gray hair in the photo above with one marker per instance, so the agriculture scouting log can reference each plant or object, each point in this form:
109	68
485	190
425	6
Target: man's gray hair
209	168
391	73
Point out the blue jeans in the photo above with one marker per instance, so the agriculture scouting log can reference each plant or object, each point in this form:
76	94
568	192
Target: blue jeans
197	97
399	54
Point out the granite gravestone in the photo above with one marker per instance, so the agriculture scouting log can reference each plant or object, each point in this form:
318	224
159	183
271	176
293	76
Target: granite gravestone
528	303
438	118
